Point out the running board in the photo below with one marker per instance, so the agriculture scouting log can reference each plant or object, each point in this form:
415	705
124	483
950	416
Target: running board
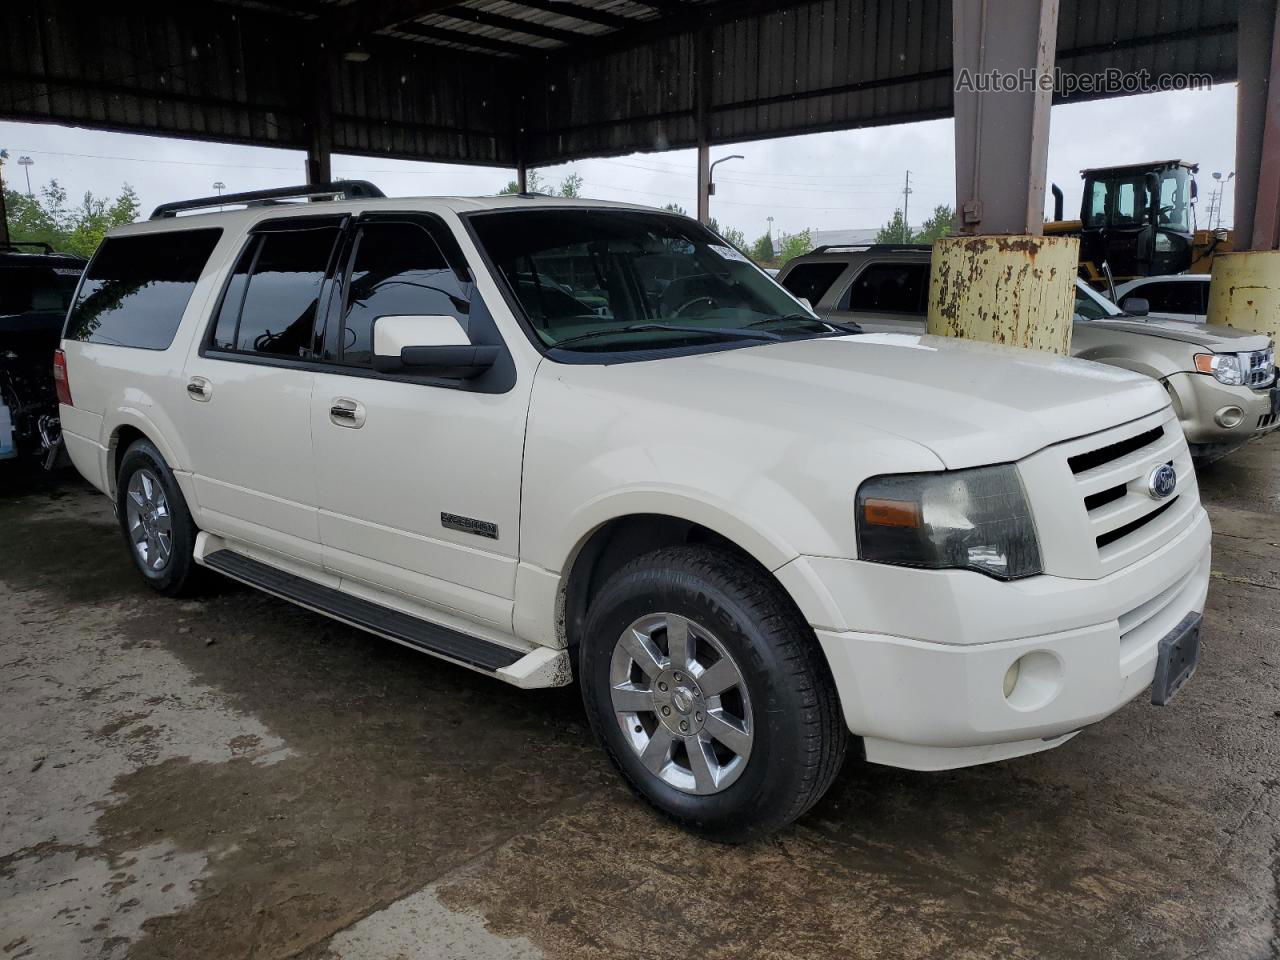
430	637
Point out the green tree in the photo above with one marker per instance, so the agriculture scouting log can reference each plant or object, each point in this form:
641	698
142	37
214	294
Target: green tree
791	245
533	183
937	225
762	249
48	217
570	185
896	230
675	208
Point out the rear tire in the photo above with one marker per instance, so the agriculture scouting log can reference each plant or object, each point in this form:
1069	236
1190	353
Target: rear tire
157	526
710	694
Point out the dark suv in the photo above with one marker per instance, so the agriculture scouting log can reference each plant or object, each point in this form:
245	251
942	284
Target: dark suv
36	287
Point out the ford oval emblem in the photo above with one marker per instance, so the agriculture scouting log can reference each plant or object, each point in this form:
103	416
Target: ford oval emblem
1162	482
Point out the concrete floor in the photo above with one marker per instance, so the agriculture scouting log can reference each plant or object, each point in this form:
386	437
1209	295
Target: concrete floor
234	777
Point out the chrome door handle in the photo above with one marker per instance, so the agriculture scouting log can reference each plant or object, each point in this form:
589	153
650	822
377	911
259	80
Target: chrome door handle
198	388
346	413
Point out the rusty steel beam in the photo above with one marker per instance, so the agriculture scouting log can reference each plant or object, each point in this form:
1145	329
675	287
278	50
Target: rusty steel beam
1002	137
1257	194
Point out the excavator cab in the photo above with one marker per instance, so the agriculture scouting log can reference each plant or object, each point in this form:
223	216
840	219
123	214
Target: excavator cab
1139	219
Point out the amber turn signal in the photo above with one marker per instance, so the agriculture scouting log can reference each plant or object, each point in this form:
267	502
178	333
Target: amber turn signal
891	513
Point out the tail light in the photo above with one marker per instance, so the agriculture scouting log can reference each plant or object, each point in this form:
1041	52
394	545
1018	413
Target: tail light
60	381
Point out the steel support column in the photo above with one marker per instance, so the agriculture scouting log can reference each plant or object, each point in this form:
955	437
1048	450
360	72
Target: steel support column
705	57
1002	280
1002	136
320	120
1257	189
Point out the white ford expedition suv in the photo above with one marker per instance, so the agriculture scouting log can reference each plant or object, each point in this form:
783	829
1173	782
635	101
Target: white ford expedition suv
548	439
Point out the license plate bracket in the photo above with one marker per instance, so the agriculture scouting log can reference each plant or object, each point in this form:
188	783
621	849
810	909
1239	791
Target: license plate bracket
1178	657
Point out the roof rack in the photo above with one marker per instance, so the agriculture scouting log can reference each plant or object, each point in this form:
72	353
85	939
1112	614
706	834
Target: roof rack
337	190
11	246
874	247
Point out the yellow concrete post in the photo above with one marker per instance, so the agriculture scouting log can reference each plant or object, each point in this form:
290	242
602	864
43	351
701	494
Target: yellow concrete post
1245	291
1015	290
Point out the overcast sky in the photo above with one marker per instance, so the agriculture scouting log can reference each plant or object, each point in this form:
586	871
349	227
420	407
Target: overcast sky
824	181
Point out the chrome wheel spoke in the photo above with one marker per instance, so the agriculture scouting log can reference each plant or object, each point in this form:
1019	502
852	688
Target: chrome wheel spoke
678	641
702	761
644	652
719	677
729	733
657	753
632	699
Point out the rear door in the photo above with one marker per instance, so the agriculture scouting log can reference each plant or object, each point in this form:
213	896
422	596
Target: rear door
418	478
249	381
886	296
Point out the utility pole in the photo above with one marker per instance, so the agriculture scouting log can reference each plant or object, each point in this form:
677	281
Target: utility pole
4	216
906	223
25	164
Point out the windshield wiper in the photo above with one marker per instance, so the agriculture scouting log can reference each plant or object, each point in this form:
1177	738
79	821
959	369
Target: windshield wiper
807	318
732	333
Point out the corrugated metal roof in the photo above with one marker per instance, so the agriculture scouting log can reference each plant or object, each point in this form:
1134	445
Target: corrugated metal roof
487	81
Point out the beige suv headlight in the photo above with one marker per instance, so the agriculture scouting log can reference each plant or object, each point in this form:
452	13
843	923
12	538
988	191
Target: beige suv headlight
975	519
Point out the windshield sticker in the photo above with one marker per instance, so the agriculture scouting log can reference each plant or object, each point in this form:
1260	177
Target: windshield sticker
66	271
728	253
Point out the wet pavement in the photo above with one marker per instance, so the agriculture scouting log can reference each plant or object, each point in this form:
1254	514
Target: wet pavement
233	777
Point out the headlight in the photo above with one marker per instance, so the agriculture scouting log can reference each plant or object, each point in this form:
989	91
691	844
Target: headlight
1225	367
962	519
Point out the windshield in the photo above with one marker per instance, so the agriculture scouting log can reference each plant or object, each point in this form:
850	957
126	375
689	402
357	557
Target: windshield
613	280
1091	305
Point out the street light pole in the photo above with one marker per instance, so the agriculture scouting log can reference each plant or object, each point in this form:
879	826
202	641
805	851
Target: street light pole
219	186
707	190
25	163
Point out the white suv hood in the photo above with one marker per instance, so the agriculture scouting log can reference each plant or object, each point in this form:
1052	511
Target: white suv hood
969	403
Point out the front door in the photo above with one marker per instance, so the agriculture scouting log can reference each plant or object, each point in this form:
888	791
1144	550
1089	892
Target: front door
248	406
419	479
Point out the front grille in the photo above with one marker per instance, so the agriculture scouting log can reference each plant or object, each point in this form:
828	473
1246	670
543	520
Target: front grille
1116	520
1113	451
1259	367
1268	420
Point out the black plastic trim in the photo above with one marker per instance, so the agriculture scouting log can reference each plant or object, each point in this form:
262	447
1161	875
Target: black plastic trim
364	614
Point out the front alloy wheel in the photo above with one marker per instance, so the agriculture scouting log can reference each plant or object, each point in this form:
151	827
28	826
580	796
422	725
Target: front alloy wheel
681	703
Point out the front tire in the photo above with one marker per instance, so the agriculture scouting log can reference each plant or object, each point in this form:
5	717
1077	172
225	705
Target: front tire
709	693
154	519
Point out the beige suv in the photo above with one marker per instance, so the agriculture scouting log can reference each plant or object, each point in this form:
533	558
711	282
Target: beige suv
1222	381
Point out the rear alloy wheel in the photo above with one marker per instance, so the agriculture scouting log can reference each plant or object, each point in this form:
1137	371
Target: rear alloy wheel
709	692
155	521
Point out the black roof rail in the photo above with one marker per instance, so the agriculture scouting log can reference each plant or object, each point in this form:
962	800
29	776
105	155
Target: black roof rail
11	246
874	247
337	190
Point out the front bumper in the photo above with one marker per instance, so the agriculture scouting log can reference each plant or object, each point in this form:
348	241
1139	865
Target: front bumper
919	657
1199	397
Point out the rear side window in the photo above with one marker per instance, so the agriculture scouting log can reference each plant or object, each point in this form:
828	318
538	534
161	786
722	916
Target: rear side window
272	299
889	288
37	289
398	270
1179	297
811	281
136	288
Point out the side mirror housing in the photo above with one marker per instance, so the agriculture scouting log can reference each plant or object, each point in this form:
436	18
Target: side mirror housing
1136	306
806	304
428	346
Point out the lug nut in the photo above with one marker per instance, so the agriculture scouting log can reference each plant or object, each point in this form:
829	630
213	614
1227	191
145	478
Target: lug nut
679	678
698	716
684	724
666	711
662	686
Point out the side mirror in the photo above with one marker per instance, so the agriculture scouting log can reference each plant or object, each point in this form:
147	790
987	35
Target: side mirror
804	301
430	346
1135	306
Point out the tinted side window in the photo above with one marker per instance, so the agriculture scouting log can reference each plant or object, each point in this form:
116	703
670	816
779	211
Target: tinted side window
1172	297
889	288
136	289
282	295
397	270
812	280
